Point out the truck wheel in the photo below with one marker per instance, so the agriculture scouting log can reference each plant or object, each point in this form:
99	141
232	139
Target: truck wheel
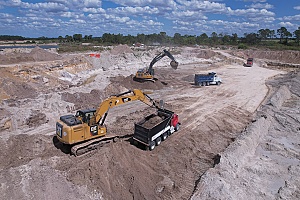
164	136
177	127
152	145
203	84
207	83
158	141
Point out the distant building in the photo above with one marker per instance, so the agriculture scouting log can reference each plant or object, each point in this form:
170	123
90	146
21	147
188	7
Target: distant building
155	44
138	44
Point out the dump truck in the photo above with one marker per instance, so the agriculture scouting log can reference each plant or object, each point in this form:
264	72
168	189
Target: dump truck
249	62
207	79
155	128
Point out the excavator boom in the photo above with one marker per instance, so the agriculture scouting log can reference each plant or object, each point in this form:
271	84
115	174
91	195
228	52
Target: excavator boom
126	97
148	73
174	63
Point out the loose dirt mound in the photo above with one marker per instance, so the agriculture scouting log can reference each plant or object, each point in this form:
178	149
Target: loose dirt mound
152	122
121	49
91	100
205	54
199	53
36	54
39	54
36	119
17	89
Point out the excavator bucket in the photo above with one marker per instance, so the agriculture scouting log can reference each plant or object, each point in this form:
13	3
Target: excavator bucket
174	64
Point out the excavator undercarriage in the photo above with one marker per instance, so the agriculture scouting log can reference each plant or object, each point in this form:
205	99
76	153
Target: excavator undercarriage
89	146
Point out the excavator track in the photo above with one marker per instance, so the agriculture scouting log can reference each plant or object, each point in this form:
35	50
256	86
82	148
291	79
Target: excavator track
87	147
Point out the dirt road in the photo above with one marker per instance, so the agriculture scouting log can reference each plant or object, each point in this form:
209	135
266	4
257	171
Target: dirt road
212	118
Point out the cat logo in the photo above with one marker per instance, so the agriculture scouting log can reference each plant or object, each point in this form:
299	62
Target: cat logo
126	99
94	130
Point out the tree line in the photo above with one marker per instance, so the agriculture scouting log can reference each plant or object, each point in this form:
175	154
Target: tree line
282	36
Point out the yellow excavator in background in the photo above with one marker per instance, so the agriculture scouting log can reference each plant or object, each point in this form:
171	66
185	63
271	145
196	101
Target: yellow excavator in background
86	130
147	74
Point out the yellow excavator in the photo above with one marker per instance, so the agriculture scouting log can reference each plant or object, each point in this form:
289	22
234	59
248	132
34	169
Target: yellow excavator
147	74
86	130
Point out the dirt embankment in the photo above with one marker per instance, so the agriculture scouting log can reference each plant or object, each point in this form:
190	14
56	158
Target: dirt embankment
264	161
291	57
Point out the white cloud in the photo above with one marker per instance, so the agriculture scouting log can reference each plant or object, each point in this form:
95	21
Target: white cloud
154	3
252	12
78	21
297	7
204	6
15	2
134	10
153	23
261	6
290	18
255	1
286	24
93	10
67	14
92	3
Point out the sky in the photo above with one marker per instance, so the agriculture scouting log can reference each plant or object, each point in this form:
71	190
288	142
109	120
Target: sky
53	18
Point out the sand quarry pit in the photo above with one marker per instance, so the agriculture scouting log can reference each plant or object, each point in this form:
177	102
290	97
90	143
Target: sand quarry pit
239	140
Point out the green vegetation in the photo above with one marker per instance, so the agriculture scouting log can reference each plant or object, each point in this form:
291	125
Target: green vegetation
264	38
78	47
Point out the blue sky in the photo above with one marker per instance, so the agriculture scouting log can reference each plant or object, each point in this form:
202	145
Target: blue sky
53	18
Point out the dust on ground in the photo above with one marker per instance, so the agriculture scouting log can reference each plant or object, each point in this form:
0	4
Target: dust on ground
229	134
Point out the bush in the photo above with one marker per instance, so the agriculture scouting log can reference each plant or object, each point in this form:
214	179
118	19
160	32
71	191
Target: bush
242	46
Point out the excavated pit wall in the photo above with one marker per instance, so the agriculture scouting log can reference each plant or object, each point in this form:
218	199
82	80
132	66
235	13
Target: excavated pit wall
216	183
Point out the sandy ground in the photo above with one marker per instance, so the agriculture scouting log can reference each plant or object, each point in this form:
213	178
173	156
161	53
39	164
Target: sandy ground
239	140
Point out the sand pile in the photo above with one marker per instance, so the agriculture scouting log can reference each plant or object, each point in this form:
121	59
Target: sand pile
39	54
36	54
83	100
121	49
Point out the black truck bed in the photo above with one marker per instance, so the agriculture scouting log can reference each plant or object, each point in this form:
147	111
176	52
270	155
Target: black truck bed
150	126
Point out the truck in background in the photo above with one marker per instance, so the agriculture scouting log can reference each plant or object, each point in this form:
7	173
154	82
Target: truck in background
249	62
155	128
207	79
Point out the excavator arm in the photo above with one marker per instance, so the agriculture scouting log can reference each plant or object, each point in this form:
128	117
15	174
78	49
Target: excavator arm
126	97
173	63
